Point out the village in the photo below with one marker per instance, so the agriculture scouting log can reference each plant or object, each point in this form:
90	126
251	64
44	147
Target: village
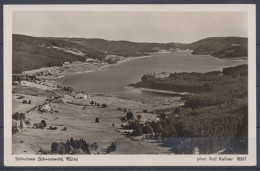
69	68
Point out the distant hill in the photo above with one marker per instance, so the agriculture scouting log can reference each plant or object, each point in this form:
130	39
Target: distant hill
37	52
124	48
222	47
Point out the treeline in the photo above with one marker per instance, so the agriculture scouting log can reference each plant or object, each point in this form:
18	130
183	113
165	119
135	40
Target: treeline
72	146
181	82
210	129
241	70
76	146
211	88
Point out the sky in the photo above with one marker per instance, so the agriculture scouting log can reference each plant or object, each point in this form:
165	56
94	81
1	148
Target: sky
161	27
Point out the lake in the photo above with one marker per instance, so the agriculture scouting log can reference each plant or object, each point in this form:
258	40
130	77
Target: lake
114	79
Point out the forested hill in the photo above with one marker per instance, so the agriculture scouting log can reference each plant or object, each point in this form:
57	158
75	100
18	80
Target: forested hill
37	52
217	107
222	47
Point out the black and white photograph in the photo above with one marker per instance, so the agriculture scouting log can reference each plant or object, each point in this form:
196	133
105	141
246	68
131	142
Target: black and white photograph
130	81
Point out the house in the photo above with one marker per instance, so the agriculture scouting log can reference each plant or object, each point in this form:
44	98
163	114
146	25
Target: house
80	96
66	63
47	73
45	108
112	59
91	60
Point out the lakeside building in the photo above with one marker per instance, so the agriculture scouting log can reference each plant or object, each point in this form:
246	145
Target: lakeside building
91	60
65	64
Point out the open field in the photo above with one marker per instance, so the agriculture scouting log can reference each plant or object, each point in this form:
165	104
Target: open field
78	116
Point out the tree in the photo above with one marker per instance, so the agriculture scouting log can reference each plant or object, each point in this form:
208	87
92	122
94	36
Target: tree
97	120
162	116
112	147
147	129
104	105
22	116
21	124
94	146
92	102
138	130
44	123
27	123
177	110
18	116
29	102
54	147
129	115
14	129
61	148
72	142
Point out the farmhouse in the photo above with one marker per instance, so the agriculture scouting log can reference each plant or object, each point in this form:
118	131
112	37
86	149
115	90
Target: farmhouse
91	60
46	108
80	96
47	73
66	64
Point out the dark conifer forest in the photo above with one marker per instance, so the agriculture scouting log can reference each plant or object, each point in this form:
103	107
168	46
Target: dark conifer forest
214	115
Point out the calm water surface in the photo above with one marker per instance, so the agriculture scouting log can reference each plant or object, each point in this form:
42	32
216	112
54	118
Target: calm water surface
115	78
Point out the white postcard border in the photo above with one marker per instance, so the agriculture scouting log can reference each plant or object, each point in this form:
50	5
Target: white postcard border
130	160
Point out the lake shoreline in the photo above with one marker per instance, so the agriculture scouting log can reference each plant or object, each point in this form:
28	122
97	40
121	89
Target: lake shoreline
160	91
84	67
